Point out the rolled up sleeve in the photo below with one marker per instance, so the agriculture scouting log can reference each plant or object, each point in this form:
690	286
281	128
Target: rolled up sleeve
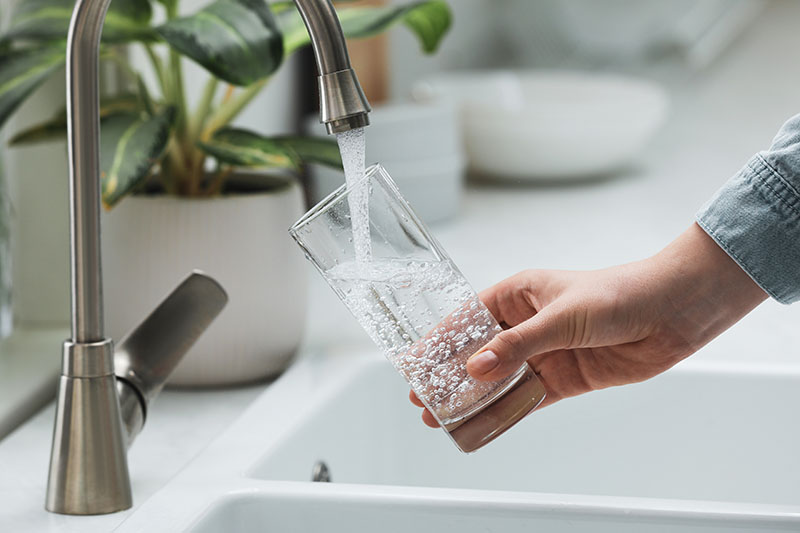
755	216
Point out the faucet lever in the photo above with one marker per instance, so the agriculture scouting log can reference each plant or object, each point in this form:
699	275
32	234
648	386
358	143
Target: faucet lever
98	413
145	358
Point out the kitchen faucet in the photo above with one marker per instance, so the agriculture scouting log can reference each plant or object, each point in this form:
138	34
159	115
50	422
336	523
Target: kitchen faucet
104	393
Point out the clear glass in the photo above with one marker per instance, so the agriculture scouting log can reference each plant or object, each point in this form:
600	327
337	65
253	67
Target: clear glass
5	258
417	307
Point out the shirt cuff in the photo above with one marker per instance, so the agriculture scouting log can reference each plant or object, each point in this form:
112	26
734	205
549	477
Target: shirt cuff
755	218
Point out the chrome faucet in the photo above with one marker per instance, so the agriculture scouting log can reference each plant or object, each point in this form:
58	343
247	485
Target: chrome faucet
103	396
342	103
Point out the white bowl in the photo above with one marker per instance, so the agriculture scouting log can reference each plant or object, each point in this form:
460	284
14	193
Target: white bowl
550	125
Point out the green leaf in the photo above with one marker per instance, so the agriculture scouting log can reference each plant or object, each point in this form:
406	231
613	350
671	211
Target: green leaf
429	20
48	20
144	96
247	149
281	6
430	23
320	150
56	127
22	72
236	40
130	145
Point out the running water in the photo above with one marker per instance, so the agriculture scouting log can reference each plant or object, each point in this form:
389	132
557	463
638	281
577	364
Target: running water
352	146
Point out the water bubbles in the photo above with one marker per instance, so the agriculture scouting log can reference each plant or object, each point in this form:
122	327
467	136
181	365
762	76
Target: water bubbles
427	320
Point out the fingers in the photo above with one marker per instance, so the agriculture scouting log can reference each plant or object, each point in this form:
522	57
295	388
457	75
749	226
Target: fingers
427	417
506	302
414	399
517	298
509	349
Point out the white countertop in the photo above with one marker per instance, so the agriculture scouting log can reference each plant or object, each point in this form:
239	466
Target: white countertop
30	361
180	425
718	120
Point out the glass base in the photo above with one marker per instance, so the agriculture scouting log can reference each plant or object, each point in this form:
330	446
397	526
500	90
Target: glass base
478	430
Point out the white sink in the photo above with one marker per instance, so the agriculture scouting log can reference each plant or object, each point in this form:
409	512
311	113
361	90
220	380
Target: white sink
406	510
704	448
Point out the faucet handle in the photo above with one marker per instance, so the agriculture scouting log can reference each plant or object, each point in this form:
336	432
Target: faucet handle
145	358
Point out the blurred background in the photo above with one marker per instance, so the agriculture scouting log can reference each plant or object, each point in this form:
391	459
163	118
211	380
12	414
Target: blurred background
611	120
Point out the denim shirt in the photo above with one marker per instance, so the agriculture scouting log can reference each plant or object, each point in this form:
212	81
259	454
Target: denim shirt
755	216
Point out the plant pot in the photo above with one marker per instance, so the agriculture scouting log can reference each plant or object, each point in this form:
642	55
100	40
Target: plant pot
151	242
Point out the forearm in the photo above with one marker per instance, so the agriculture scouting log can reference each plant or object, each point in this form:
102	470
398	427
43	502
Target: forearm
706	289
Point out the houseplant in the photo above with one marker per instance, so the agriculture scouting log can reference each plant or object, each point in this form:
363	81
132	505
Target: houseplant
179	167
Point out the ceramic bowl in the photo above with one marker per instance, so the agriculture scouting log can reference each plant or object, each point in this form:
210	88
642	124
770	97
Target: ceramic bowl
550	125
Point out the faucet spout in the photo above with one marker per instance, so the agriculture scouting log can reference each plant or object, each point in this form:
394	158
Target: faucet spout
343	105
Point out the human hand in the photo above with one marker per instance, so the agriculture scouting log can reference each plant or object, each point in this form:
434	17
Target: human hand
584	331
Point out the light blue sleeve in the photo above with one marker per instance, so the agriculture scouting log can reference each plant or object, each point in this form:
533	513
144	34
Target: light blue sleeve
755	216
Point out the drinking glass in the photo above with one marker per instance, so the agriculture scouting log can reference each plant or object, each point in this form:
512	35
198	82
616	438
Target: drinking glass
416	306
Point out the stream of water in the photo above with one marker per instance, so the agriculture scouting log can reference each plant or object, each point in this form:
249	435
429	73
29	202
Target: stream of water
352	145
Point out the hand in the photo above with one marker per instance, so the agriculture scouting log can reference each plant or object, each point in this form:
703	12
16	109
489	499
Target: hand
584	331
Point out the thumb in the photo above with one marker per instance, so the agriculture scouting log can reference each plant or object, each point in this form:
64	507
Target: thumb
509	349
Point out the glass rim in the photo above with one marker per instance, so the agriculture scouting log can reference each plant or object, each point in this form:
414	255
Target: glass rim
326	203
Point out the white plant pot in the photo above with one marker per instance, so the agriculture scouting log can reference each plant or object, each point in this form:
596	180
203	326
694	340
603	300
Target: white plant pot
151	243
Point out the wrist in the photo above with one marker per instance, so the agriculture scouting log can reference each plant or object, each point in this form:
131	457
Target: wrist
705	286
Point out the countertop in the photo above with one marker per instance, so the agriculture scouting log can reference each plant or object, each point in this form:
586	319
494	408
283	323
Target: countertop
179	426
719	118
30	360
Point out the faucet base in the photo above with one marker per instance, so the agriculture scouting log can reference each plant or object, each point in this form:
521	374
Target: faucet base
88	462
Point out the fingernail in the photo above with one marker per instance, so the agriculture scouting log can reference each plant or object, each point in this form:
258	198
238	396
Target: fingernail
484	362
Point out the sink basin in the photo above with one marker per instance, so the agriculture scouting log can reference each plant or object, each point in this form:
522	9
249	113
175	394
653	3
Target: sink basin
686	435
704	447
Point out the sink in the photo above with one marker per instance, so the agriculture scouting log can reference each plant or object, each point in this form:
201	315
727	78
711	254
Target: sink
707	447
685	435
422	512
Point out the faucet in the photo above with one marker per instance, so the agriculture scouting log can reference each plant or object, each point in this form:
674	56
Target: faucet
104	394
342	104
